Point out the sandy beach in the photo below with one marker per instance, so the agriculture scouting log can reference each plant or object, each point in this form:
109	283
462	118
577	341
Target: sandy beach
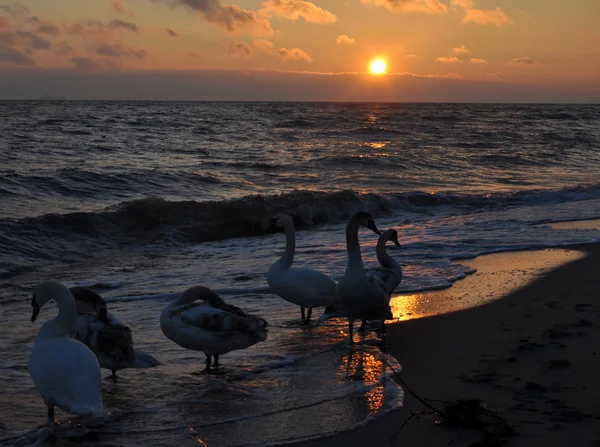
531	357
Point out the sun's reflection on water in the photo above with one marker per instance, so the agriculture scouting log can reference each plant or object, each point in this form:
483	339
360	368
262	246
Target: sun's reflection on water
364	366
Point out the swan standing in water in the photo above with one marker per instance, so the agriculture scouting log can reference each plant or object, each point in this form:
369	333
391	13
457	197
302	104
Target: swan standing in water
211	326
104	334
362	296
305	287
64	370
389	273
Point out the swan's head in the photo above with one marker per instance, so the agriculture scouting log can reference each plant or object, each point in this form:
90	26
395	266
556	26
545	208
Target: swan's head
44	293
391	235
333	310
202	293
281	220
365	220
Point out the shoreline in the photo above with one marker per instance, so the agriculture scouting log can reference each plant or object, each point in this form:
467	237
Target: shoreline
529	356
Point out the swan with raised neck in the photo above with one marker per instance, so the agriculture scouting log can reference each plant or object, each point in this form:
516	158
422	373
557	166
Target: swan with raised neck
360	297
64	370
306	288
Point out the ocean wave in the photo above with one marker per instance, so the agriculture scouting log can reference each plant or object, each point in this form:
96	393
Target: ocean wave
75	236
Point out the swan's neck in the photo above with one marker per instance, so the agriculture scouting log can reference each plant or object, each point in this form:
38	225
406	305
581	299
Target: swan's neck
63	323
287	258
385	260
355	263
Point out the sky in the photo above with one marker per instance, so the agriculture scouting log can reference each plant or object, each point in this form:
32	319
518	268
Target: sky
436	50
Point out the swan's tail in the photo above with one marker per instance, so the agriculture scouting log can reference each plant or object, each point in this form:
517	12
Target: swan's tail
144	360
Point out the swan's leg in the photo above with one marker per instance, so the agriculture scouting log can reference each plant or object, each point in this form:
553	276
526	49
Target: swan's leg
308	314
383	344
51	420
208	361
216	356
362	326
302	313
351	329
114	374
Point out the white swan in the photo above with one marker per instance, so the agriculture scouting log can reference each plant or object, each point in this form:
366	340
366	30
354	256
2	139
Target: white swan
211	326
64	370
301	286
362	296
104	334
389	272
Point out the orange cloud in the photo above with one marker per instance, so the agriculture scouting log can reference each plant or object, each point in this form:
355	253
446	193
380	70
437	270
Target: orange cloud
295	9
343	39
119	49
265	46
464	4
460	50
121	24
64	49
294	54
411	56
230	17
239	49
5	22
449	60
16	9
487	17
425	6
43	26
268	47
14	56
524	61
118	5
476	60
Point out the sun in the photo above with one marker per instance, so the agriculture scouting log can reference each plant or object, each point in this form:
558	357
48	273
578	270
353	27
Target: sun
378	66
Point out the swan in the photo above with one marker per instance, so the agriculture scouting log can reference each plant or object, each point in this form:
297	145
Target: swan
305	287
65	371
104	334
211	326
362	296
389	273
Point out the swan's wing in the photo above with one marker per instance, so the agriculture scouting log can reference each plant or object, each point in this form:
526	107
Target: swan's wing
304	287
87	300
67	372
111	338
390	278
211	319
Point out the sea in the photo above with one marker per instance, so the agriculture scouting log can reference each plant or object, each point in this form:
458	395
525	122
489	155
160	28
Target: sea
141	200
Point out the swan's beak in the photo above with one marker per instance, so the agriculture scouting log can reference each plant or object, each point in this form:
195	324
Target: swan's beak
323	317
327	316
371	226
397	243
36	309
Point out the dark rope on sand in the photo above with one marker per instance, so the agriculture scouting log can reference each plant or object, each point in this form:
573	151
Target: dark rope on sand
407	388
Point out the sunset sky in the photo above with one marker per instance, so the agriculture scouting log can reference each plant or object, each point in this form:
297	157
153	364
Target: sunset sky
436	50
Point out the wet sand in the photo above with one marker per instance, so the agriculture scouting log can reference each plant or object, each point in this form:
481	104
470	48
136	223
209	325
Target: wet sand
533	357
